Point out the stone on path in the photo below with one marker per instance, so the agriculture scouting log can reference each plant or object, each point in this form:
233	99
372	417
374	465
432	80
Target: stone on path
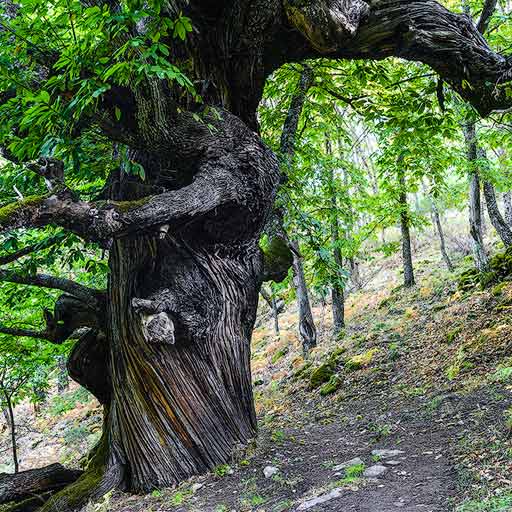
392	462
345	465
270	471
324	498
375	471
384	454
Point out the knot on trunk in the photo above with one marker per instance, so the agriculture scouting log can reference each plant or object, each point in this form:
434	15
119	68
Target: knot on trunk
158	329
156	322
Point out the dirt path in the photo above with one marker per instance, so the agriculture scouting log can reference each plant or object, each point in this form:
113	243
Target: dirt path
306	448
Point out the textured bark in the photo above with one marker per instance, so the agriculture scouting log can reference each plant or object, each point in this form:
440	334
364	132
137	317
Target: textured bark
23	485
12	432
272	303
337	291
497	220
475	208
182	308
439	230
405	231
507	202
168	352
307	329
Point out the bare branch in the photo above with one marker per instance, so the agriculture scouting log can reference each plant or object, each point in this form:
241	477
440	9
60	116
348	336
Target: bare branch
485	16
87	295
25	251
29	333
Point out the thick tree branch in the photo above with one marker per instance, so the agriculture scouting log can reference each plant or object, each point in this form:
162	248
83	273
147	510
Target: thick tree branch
85	294
418	30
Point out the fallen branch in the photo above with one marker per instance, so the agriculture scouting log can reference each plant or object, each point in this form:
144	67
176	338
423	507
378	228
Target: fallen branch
27	484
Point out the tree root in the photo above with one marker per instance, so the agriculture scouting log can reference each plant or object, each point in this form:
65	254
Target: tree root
101	476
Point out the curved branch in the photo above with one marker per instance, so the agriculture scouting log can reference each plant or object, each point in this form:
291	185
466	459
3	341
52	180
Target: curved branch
28	333
29	249
485	16
418	30
89	296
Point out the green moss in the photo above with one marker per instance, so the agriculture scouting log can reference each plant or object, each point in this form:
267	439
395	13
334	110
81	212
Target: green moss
79	493
303	372
332	386
361	360
277	258
452	335
126	206
498	289
335	355
321	375
7	211
279	354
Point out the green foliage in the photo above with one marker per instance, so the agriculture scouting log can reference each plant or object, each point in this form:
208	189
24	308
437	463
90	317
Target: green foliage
222	470
501	503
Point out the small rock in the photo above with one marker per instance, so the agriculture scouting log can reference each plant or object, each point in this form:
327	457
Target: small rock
351	462
399	504
375	471
384	454
270	471
196	487
392	462
335	493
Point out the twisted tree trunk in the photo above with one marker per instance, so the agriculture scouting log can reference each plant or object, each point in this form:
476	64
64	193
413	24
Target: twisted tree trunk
502	228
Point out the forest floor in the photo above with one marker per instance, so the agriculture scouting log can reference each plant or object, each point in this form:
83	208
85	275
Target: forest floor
423	374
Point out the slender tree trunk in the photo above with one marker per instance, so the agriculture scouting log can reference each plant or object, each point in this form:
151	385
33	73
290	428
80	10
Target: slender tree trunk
439	228
497	220
355	274
270	299
12	429
405	231
507	202
337	291
62	377
475	207
307	330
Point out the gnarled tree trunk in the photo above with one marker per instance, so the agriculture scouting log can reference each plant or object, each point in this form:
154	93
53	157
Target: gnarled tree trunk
497	220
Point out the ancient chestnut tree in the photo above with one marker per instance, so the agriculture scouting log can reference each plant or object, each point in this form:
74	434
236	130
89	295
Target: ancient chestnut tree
168	91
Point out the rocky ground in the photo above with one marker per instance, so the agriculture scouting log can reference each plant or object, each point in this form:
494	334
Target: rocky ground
410	409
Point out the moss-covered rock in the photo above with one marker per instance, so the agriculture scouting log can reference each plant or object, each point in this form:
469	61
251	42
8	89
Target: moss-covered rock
335	355
498	289
332	386
361	360
303	372
321	375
